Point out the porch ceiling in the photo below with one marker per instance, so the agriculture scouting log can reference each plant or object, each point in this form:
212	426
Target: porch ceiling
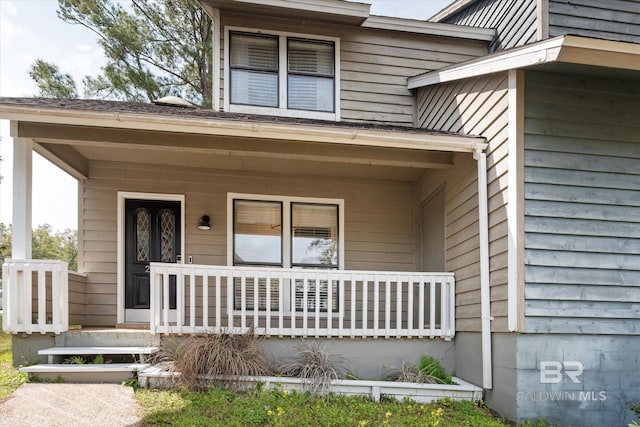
77	146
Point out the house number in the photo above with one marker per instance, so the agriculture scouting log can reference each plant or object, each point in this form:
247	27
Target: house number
147	269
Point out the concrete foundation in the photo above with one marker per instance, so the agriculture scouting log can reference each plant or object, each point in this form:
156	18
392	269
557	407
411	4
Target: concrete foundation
599	395
368	359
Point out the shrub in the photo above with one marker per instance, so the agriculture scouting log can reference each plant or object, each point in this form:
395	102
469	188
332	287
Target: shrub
429	371
433	368
219	359
316	366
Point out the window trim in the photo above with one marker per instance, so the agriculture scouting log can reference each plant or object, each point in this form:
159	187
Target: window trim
281	111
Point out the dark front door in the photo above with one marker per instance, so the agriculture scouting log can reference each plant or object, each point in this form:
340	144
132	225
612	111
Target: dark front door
152	234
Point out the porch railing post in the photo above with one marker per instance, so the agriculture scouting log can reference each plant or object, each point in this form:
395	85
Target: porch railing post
153	300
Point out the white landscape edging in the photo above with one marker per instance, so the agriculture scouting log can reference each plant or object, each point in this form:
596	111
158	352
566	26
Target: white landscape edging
158	377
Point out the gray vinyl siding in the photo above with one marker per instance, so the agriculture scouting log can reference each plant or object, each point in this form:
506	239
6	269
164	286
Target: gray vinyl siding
606	19
476	107
514	21
582	205
374	64
379	225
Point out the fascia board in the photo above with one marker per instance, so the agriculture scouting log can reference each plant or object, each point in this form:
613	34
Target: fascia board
429	28
525	56
235	128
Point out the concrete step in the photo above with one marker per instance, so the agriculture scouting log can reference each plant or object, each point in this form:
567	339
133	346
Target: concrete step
88	373
107	338
138	352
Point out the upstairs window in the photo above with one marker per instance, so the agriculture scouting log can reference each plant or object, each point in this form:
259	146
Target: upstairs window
310	75
254	70
282	74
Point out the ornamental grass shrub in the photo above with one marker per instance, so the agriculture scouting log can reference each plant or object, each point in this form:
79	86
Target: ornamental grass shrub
220	360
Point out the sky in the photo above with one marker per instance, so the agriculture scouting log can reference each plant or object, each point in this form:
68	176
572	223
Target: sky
30	29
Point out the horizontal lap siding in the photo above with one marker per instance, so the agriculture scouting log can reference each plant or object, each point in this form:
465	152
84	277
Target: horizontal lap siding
475	107
378	219
582	205
514	21
608	19
374	64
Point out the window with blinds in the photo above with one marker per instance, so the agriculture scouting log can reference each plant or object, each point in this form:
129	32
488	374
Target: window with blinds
310	75
306	68
254	69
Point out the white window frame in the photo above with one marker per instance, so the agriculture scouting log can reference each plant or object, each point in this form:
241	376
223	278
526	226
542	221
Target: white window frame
282	77
286	235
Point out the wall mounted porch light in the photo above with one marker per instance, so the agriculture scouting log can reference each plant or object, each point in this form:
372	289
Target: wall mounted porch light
204	223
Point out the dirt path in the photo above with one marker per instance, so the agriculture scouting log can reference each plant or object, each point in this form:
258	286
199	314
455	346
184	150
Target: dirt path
70	405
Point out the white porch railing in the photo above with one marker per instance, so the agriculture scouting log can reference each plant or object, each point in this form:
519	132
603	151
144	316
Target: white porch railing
301	303
36	297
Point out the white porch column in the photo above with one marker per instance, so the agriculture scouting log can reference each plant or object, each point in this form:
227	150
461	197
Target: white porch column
22	170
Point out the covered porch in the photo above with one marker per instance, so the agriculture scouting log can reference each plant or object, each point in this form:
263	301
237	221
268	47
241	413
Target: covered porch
377	286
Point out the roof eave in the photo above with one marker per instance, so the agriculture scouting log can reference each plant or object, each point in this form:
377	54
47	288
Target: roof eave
566	49
450	10
429	28
246	129
332	10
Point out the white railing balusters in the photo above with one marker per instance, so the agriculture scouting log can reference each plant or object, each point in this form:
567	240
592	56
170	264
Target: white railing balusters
42	295
20	300
192	300
205	301
365	299
352	315
267	323
305	302
432	308
376	307
280	304
316	305
256	300
301	300
421	309
243	301
443	305
387	307
398	306
292	286
410	289
341	306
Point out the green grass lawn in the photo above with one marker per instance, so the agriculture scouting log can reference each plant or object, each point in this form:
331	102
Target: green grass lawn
10	378
281	408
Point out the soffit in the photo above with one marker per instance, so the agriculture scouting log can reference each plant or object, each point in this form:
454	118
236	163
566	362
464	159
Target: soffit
336	11
75	144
